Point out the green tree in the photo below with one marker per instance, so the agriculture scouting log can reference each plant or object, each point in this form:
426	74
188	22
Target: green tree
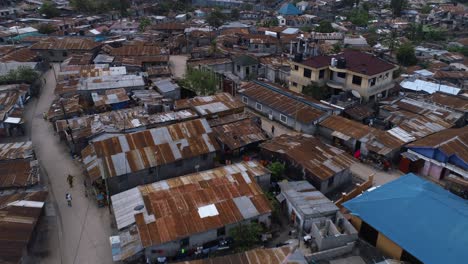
246	235
336	48
215	19
315	91
49	10
359	17
22	74
45	28
144	23
325	27
235	14
426	9
277	169
397	6
391	41
405	55
200	82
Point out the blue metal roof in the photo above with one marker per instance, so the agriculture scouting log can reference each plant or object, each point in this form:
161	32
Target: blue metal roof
289	10
421	217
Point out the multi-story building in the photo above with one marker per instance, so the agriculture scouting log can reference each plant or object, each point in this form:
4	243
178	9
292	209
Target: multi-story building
368	76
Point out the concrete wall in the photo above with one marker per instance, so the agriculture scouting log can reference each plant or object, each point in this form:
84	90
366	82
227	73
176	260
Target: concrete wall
339	179
331	253
124	182
196	240
327	235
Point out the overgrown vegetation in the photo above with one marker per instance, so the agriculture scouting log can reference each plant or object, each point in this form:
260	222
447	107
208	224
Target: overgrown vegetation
397	6
200	82
359	17
325	27
144	23
246	235
277	169
49	10
463	50
23	74
101	6
315	91
405	55
215	19
45	28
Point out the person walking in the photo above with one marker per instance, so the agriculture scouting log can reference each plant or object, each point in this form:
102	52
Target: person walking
70	180
68	197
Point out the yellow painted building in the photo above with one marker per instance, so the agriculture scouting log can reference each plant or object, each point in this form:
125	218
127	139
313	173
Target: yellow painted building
363	73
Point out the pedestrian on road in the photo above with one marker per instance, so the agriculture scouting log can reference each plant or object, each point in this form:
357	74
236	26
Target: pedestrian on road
272	131
70	180
69	199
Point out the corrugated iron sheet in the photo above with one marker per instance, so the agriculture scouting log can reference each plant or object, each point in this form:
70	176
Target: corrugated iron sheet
19	173
288	105
239	134
17	224
150	148
346	126
318	159
219	104
175	202
16	150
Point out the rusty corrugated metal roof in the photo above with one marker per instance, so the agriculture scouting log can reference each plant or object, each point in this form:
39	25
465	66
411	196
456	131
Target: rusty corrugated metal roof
19	173
318	159
17	223
284	101
459	103
239	134
346	127
150	148
16	150
174	205
219	104
66	43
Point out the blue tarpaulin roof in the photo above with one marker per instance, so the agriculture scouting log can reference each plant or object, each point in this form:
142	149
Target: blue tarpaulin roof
289	10
421	217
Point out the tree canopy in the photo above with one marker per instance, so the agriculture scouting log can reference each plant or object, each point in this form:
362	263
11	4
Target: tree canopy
405	55
359	17
246	235
144	23
215	19
101	6
325	27
277	169
45	28
398	6
49	10
200	82
315	91
22	74
235	14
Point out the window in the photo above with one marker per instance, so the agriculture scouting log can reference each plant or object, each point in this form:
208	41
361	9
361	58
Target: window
294	84
321	74
307	73
256	46
283	118
386	75
372	81
185	242
258	106
357	80
267	46
330	181
221	231
296	68
247	71
205	156
65	54
341	75
238	68
245	100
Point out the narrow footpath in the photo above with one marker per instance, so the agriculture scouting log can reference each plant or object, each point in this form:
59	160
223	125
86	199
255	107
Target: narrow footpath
83	229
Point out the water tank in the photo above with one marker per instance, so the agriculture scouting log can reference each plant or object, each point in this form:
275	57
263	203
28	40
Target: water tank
333	62
341	63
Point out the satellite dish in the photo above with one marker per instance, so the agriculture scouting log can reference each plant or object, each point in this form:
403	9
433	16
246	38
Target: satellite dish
139	207
355	93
